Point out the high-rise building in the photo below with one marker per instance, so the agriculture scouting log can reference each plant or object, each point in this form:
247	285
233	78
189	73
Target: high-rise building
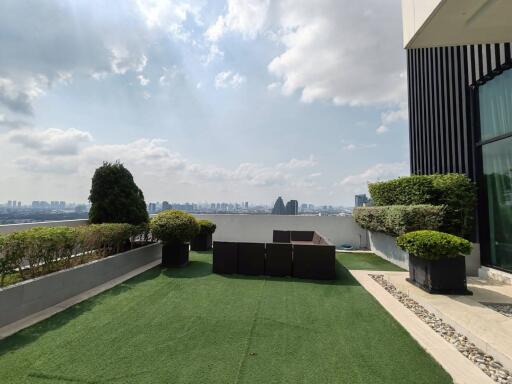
459	63
292	207
361	200
165	206
279	208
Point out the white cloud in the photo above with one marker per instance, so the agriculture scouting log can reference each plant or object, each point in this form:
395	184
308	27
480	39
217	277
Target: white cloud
354	146
298	163
123	61
143	80
378	172
51	141
18	94
169	14
246	17
227	79
382	129
169	74
213	53
273	86
345	51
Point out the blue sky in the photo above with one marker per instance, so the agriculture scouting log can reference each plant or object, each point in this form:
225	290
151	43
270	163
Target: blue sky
203	101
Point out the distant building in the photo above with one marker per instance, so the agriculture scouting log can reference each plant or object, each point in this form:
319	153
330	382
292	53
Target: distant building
292	207
165	206
151	207
279	208
361	200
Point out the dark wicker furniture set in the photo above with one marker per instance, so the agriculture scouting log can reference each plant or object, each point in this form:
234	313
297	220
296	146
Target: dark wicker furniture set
302	254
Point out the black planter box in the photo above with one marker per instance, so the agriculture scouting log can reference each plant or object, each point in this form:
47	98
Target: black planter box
279	259
201	243
175	255
225	257
316	262
251	258
443	276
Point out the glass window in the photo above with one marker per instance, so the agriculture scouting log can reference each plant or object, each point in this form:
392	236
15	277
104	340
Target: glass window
496	106
497	165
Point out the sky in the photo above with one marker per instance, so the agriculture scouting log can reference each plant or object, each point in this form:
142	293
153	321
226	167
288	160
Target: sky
237	100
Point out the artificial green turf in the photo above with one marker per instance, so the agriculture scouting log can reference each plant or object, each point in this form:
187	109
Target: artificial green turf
366	261
191	326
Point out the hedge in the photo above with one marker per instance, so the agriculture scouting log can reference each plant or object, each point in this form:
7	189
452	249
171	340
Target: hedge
433	245
455	191
41	250
398	219
206	227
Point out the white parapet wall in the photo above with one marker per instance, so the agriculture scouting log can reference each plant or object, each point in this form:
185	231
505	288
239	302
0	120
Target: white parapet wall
258	228
8	228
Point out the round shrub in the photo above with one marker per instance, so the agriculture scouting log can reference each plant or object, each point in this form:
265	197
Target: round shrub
206	227
433	245
174	226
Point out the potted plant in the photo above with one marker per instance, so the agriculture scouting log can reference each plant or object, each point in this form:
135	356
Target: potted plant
174	229
203	241
436	261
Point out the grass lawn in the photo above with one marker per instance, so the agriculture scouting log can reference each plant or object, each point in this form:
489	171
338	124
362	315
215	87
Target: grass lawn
191	326
366	261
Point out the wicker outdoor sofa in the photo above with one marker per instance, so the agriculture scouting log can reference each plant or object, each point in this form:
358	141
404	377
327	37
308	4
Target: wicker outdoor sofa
302	254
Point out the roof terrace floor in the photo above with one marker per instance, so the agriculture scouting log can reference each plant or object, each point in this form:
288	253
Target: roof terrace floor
191	326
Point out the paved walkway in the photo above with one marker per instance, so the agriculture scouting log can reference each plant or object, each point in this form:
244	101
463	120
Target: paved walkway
454	310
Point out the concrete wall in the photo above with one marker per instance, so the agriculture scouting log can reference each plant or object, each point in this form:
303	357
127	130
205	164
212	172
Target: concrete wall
31	296
258	228
8	228
385	247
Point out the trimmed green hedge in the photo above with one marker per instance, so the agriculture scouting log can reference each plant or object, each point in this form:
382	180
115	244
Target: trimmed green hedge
433	245
47	249
398	219
174	226
455	191
206	227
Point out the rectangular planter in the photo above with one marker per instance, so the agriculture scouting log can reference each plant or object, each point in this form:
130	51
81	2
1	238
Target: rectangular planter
443	276
31	296
201	243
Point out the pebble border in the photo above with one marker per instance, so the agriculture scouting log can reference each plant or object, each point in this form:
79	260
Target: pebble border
504	309
491	367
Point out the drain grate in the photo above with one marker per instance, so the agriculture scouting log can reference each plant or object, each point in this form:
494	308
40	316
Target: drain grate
503	308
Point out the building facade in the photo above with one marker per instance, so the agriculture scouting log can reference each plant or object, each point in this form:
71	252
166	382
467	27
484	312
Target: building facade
460	106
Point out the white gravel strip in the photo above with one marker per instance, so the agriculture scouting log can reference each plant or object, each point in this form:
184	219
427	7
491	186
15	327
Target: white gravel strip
487	363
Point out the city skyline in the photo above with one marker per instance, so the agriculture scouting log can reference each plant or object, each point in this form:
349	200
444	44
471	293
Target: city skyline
202	100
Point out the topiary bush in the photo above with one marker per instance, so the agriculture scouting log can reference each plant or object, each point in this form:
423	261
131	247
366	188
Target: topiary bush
409	190
458	194
174	226
433	245
115	198
206	227
455	191
396	220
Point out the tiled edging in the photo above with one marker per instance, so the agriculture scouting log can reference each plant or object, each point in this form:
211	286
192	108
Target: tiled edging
487	363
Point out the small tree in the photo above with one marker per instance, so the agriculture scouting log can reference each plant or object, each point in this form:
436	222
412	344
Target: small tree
115	198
